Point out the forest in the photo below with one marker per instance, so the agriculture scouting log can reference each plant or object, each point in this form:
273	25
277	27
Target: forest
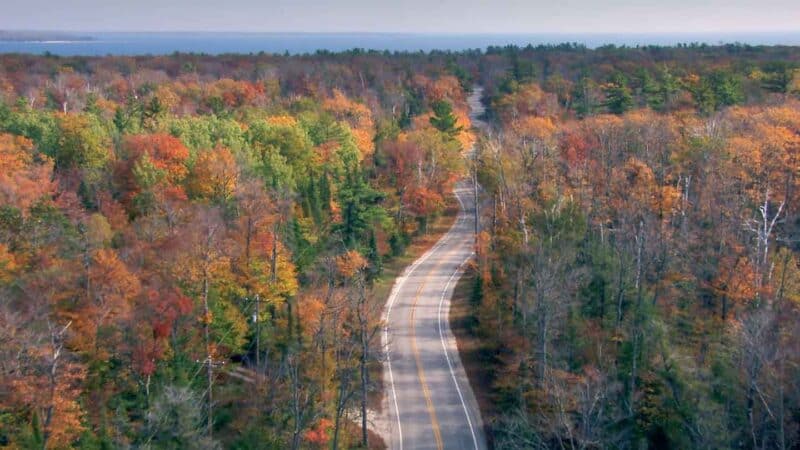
190	245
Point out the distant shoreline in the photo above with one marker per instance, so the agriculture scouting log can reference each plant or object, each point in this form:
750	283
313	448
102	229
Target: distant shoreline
89	43
42	37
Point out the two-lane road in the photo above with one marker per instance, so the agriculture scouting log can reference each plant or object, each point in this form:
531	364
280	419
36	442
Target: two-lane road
430	402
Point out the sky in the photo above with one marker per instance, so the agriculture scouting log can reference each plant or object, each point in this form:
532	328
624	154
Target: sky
415	16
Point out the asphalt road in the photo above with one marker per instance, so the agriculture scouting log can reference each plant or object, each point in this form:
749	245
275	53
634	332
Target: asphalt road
430	402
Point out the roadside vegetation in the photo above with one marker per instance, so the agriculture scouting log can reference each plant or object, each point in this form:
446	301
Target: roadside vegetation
194	250
637	280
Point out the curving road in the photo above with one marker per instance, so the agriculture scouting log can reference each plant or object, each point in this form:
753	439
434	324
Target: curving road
430	401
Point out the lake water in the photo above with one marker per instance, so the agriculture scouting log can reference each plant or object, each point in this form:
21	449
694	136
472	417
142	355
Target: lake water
299	43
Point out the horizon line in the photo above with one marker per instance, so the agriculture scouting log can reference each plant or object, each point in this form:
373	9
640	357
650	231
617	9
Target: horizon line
442	33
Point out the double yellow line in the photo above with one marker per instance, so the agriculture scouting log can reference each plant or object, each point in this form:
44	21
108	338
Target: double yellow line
437	434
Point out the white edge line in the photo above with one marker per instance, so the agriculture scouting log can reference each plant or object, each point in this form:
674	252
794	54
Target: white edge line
458	271
393	296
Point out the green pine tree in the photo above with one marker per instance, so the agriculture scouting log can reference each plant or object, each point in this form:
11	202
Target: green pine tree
443	118
619	98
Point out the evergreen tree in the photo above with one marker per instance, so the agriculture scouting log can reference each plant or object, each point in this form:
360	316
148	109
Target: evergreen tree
443	119
584	103
668	89
778	77
704	98
648	90
374	256
619	98
359	207
522	71
152	113
727	88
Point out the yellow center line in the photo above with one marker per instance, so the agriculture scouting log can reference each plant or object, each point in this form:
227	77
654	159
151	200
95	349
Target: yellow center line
420	371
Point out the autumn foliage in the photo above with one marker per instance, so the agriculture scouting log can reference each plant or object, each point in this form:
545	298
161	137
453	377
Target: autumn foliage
187	256
189	243
635	262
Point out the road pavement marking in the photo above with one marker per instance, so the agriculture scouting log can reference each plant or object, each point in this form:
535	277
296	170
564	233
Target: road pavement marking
458	271
398	286
437	434
392	298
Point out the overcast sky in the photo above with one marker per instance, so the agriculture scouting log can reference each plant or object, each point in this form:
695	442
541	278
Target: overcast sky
448	16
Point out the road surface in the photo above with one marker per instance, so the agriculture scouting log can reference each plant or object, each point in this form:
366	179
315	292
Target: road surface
430	402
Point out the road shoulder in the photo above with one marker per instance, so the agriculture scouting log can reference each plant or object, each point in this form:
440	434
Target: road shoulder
473	353
379	411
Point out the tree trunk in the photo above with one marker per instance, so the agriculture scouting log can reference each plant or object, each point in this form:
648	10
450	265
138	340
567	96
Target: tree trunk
364	324
294	370
274	262
336	422
208	362
475	199
258	333
620	293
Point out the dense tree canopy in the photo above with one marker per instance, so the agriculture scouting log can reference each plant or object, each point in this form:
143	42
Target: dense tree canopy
189	243
634	274
188	246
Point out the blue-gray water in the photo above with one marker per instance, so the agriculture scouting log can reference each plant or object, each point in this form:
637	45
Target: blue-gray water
298	43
